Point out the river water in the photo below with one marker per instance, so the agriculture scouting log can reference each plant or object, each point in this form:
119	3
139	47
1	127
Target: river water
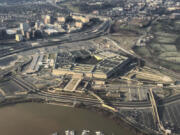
44	119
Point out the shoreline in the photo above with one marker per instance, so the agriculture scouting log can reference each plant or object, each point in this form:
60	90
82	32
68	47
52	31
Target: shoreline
116	117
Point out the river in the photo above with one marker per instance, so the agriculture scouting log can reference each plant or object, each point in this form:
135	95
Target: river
44	119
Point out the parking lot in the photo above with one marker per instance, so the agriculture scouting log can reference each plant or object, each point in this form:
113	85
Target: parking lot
10	88
133	93
143	117
170	116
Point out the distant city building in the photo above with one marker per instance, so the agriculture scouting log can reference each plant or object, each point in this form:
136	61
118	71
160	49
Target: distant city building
24	27
37	25
12	31
175	16
96	12
33	34
18	37
3	33
61	19
50	31
79	24
47	19
28	35
80	18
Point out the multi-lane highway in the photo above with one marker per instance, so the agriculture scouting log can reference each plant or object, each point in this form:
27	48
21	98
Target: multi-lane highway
85	99
62	97
132	104
66	98
89	33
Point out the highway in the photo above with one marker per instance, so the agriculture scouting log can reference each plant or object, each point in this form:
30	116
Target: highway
23	83
87	34
63	97
70	97
132	104
86	99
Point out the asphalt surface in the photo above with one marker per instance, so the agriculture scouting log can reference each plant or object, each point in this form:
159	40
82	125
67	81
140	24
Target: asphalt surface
88	34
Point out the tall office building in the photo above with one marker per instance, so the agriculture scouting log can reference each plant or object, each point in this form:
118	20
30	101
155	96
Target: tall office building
19	37
24	28
47	19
